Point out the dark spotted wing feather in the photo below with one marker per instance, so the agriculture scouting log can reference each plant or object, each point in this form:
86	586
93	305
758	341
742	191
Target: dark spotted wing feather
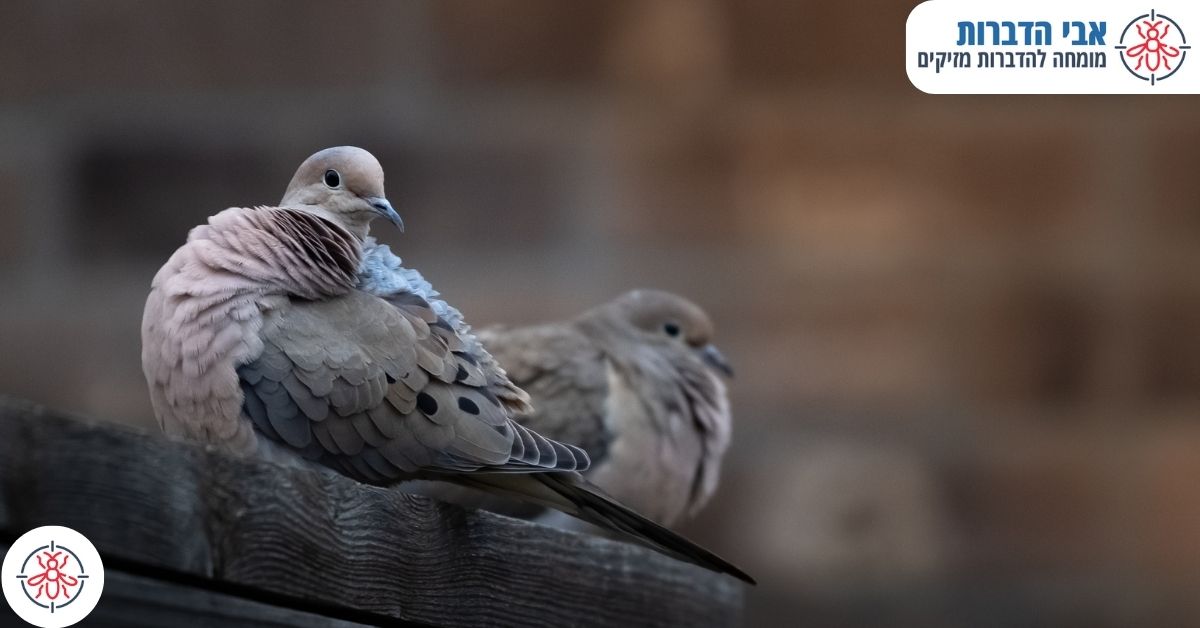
375	389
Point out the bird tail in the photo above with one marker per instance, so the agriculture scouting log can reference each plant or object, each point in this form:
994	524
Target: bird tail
575	496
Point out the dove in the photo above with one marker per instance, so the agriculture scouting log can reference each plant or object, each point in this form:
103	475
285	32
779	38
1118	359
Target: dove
637	383
257	340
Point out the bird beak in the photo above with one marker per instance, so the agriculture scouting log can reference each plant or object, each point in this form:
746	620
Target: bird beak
384	208
714	358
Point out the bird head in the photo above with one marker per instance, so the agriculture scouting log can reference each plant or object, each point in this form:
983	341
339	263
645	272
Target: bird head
670	321
343	184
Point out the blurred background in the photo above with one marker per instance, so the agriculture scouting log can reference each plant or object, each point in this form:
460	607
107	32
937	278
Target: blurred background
965	328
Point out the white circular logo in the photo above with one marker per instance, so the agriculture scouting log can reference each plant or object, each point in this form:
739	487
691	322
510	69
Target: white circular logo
52	577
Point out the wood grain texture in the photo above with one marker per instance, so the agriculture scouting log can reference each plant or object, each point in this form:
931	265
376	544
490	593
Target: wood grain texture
328	540
132	601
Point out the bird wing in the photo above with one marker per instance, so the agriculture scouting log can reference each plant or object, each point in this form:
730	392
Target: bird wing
378	390
564	373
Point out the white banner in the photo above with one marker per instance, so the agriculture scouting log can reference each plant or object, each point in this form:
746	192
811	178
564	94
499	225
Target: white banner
1053	47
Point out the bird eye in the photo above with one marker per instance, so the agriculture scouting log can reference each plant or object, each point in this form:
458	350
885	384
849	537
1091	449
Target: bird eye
672	329
332	178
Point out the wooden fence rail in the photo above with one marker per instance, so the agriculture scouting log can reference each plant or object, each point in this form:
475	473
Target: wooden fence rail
190	537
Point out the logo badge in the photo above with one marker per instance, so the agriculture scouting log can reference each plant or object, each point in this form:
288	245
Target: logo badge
1153	47
52	577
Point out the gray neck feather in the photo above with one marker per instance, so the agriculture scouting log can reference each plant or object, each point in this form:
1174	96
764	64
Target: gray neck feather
323	256
383	275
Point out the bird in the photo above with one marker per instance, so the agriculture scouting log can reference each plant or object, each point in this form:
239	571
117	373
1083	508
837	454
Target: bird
257	340
637	383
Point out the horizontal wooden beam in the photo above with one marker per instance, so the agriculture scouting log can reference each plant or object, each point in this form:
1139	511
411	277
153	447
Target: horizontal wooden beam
196	521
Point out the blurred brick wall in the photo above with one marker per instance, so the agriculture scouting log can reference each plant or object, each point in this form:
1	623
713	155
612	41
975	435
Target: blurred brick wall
965	327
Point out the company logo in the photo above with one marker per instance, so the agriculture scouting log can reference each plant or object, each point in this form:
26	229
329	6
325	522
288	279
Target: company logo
52	577
1153	47
1040	47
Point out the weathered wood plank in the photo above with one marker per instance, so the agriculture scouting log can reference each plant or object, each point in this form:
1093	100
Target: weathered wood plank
319	537
132	601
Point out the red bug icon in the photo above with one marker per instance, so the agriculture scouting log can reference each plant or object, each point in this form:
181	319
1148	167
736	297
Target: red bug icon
45	582
52	582
1153	52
